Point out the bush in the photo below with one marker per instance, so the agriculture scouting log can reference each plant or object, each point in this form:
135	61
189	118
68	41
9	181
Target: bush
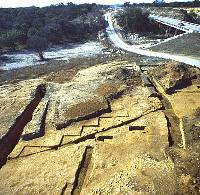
57	24
135	20
38	44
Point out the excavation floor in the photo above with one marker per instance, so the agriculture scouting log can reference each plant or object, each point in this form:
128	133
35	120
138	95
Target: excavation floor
102	131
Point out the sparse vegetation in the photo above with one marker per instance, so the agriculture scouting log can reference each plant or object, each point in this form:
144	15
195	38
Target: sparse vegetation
187	44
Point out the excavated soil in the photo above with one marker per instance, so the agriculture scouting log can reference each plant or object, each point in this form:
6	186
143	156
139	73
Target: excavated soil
85	108
104	129
184	101
175	76
61	76
107	89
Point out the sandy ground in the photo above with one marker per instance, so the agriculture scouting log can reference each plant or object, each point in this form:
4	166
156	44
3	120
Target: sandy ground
116	90
103	130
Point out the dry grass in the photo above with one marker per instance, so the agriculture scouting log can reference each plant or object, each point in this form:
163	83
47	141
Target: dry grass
188	44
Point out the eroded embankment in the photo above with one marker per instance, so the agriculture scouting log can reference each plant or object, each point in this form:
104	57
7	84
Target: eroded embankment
9	141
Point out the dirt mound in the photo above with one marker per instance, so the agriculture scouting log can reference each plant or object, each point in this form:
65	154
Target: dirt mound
84	111
122	73
127	76
108	89
86	108
174	76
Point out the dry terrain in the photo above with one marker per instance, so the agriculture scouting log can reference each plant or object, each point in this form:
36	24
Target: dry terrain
188	45
167	12
111	128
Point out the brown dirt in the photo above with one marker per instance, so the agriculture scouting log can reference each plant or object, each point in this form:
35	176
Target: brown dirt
185	105
130	162
85	108
61	76
174	75
127	76
187	166
107	89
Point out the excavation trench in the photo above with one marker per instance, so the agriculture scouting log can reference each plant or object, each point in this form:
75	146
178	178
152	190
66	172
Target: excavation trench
174	136
82	171
92	135
41	131
10	140
93	114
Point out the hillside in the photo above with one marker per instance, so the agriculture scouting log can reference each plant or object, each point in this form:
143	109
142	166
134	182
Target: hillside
188	45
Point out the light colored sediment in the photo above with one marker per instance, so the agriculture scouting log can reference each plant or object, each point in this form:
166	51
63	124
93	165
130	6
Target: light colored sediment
117	152
46	172
185	99
13	100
